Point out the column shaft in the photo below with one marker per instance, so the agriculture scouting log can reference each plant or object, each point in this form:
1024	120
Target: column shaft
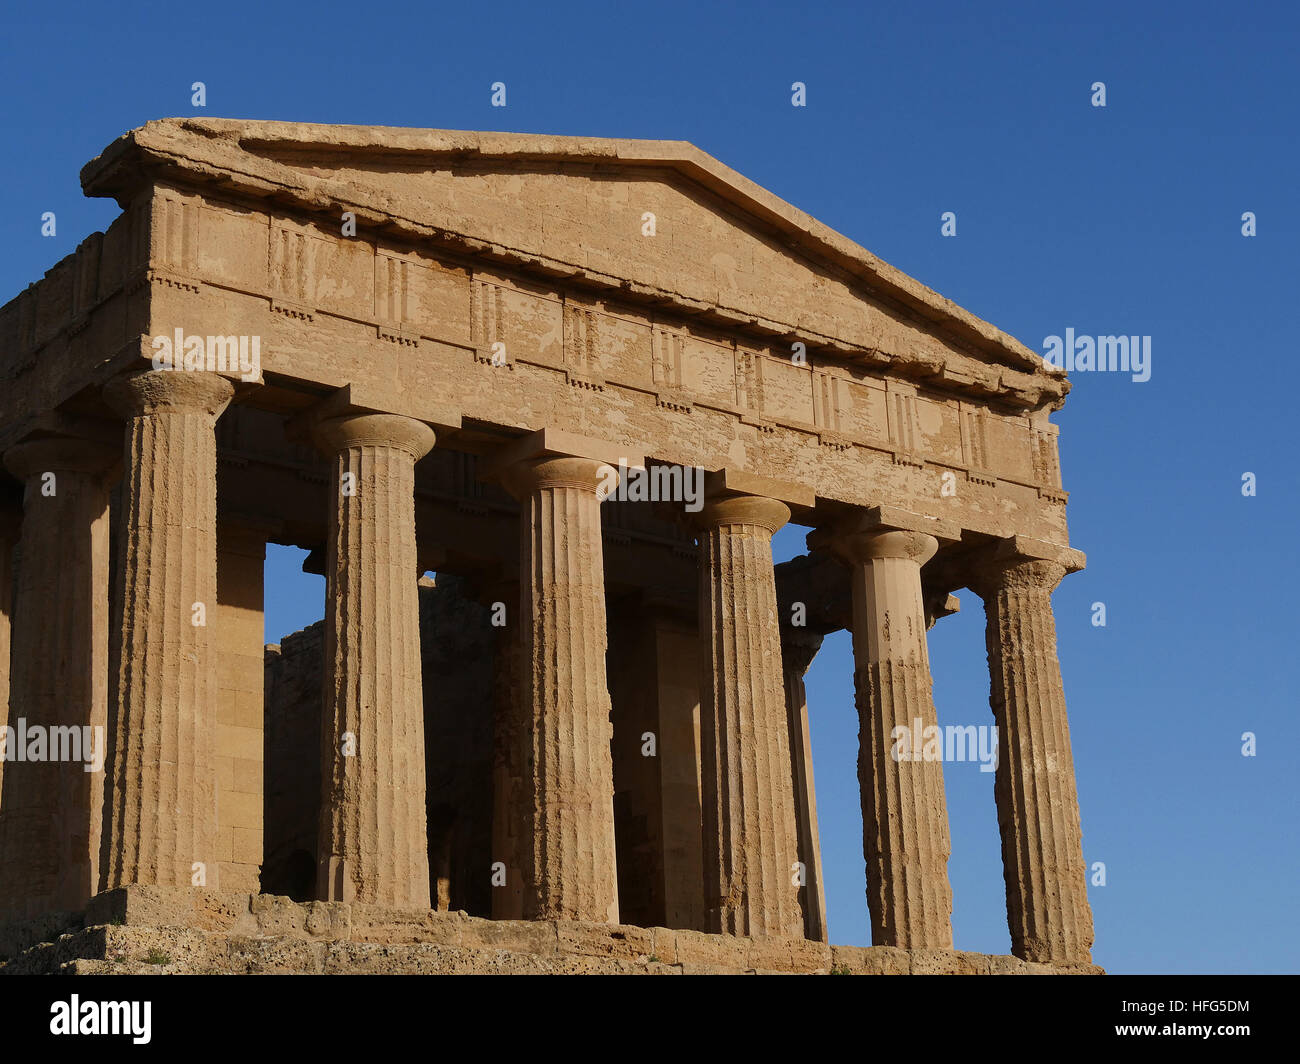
508	801
812	896
60	680
1038	806
569	775
161	787
747	793
373	835
904	811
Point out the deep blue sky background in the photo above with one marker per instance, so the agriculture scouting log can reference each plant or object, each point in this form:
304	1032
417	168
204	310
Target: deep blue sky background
1117	220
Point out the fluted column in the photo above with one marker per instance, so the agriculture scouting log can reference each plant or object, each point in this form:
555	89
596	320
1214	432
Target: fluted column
747	791
508	800
1038	806
568	769
51	826
161	788
797	654
373	836
904	811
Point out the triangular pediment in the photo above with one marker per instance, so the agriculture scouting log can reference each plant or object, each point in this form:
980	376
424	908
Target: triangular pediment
659	221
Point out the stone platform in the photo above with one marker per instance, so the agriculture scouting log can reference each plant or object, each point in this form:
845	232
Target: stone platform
151	930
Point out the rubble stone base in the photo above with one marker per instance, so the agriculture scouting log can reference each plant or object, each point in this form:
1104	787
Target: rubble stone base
156	930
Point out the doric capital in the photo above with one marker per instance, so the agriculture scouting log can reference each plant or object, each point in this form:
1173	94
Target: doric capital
1021	564
395	431
1017	574
884	532
168	392
732	510
530	475
47	454
863	547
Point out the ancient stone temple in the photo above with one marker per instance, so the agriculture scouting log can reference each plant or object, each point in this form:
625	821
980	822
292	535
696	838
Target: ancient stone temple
583	382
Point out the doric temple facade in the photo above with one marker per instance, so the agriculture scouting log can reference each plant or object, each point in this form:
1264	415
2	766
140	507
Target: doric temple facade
584	382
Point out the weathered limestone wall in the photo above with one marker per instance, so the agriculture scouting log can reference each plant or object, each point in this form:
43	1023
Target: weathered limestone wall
654	686
457	649
240	640
90	305
292	803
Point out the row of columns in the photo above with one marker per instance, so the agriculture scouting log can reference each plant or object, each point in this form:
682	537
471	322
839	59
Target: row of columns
160	794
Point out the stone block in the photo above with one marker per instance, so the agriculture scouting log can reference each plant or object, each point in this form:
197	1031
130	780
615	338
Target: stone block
870	960
236	809
238	877
246	778
604	940
525	936
724	951
381	924
158	906
235	741
246	849
260	956
1004	965
787	955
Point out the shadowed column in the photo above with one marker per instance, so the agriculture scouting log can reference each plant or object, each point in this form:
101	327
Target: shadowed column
904	811
59	685
373	839
10	523
747	793
568	770
797	653
1038	806
161	789
508	799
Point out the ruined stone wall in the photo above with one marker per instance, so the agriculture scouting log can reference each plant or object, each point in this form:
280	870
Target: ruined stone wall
293	711
239	740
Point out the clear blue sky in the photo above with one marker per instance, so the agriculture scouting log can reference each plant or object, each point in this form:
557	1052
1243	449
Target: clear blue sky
1125	219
